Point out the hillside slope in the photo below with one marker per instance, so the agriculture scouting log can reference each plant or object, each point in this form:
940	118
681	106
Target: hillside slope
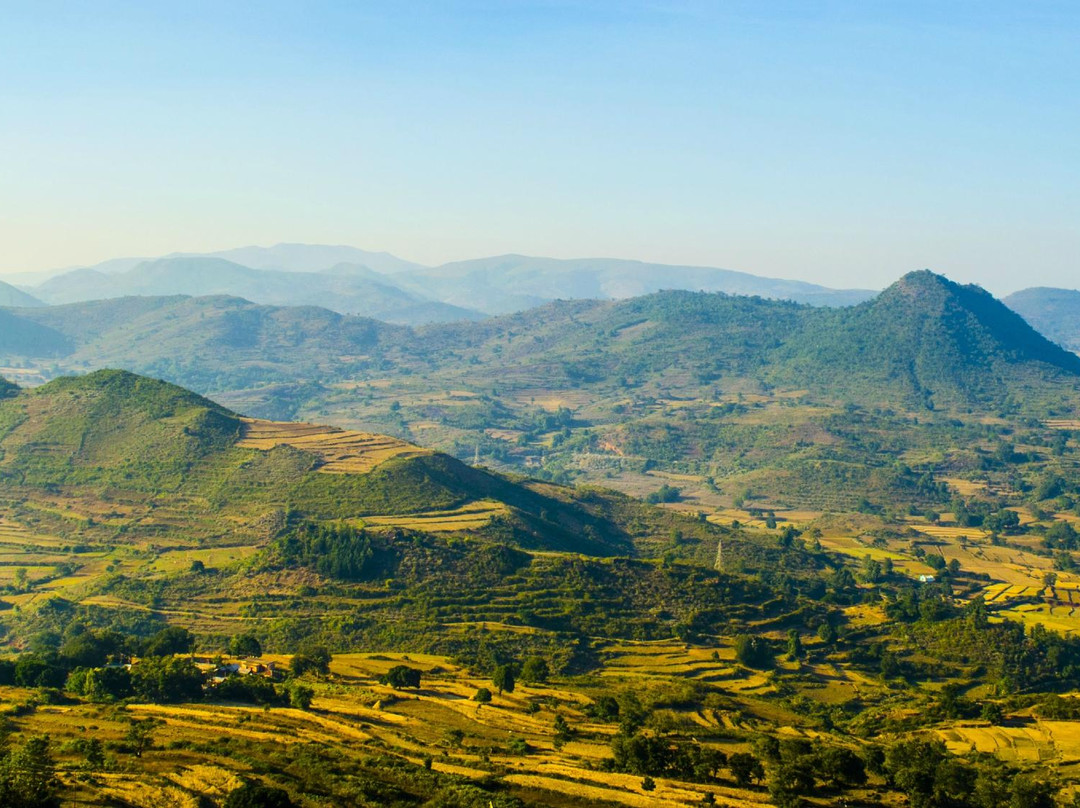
24	337
1054	312
128	439
216	343
10	296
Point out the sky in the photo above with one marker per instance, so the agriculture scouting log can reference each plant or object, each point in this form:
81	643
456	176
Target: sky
843	143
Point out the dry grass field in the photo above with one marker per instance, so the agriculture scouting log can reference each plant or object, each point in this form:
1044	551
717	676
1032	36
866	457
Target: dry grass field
468	517
356	716
341	451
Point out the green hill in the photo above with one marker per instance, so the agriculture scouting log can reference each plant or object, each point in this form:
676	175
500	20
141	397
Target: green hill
925	339
217	343
128	439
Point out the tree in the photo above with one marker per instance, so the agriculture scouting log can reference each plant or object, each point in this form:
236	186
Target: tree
245	645
789	779
754	652
311	659
827	633
535	670
401	676
28	776
100	684
256	795
1031	791
482	696
300	697
563	732
794	645
992	712
503	679
745	768
841	767
167	679
140	735
170	641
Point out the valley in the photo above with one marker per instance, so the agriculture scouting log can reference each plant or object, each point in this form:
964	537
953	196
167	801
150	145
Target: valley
734	551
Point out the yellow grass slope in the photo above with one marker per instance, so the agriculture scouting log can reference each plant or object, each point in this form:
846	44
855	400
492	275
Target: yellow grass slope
342	451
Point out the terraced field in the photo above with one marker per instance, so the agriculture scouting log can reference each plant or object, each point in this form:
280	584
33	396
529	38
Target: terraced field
469	517
357	716
340	451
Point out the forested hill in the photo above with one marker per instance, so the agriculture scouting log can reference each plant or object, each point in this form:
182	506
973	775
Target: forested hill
925	338
924	342
215	343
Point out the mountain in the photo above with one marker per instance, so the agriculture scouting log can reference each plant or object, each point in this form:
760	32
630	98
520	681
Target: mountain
314	258
10	296
133	436
507	283
219	343
928	339
348	292
925	341
25	338
1054	312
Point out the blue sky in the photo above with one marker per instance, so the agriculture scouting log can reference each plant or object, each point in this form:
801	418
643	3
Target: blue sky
840	142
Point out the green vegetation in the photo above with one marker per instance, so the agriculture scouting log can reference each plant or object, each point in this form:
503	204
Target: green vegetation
849	575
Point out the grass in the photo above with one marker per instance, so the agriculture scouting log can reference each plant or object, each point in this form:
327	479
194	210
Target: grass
339	451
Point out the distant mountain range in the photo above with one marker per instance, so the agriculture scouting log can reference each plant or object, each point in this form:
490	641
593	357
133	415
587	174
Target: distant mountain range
1054	312
11	296
353	281
924	342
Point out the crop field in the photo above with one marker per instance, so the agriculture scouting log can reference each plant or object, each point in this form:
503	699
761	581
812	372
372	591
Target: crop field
341	451
468	517
1062	423
214	558
1039	741
357	716
955	533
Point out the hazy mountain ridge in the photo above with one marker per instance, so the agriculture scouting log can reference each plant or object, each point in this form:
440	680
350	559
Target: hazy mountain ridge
495	285
502	284
1054	312
12	296
349	293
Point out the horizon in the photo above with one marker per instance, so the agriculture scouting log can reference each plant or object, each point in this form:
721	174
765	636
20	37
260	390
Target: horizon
27	280
843	145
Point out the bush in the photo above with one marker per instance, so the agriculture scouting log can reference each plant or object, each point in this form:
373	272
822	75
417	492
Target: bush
401	676
256	795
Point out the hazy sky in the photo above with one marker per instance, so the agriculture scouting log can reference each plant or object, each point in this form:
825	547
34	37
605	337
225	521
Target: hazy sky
839	142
